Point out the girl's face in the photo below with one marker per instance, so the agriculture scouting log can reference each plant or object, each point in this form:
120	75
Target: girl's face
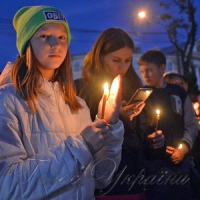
50	46
118	62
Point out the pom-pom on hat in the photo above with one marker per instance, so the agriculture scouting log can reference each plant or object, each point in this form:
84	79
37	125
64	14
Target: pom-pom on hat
28	19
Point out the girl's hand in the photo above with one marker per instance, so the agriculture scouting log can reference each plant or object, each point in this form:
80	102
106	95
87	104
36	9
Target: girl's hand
128	112
113	102
95	134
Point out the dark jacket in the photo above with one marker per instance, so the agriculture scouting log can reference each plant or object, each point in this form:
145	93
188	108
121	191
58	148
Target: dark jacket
132	161
177	119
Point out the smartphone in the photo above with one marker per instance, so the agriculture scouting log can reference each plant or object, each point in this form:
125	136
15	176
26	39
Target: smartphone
141	94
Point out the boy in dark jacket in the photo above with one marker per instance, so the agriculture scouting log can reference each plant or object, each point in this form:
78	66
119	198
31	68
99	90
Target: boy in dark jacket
167	169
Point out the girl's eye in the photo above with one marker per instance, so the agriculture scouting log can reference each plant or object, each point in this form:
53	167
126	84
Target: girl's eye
62	37
44	36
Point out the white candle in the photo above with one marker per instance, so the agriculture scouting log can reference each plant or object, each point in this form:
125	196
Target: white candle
196	108
105	96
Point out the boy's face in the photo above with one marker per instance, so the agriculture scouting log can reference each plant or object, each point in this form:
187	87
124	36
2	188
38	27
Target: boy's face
152	74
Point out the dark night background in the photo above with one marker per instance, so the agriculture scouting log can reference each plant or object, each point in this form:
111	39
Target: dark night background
87	18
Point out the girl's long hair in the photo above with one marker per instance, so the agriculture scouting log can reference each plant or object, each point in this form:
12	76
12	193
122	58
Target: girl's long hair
94	69
26	78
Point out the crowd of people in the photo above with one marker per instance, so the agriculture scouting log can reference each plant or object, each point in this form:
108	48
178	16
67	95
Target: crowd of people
72	139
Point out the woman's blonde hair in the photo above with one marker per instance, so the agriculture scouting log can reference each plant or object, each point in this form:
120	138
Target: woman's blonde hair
26	78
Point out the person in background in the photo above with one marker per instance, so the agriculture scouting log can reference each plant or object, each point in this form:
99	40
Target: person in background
175	78
178	124
49	145
111	55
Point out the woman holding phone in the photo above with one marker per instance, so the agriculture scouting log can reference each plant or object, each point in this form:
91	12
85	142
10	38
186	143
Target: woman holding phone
111	55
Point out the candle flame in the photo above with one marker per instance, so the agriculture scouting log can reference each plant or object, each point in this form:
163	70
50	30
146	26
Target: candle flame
106	89
180	146
115	85
157	112
196	105
157	119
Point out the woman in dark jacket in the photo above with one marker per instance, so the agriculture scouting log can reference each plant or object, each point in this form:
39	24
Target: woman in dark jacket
112	55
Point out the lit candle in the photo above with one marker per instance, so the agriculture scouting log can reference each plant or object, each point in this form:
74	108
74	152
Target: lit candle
105	96
196	108
180	146
157	119
196	105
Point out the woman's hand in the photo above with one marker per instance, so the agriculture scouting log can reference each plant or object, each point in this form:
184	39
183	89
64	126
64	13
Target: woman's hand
128	112
156	140
95	134
113	102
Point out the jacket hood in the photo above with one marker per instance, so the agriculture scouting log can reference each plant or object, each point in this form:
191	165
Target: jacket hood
5	76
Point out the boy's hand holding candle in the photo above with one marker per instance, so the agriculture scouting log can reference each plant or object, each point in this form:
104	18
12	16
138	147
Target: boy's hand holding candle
156	139
177	153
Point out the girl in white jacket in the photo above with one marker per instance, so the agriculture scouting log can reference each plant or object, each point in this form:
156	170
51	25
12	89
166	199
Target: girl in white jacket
50	149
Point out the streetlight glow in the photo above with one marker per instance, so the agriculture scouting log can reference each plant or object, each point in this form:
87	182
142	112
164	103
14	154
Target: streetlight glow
142	14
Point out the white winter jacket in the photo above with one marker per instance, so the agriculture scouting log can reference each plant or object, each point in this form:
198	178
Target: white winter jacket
43	156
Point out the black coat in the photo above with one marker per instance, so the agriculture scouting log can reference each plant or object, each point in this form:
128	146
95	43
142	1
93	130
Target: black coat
132	161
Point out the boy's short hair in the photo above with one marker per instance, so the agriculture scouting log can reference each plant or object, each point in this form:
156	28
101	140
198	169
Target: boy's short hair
153	56
171	75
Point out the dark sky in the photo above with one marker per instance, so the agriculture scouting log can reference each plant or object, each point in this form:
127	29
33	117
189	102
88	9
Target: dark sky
87	18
